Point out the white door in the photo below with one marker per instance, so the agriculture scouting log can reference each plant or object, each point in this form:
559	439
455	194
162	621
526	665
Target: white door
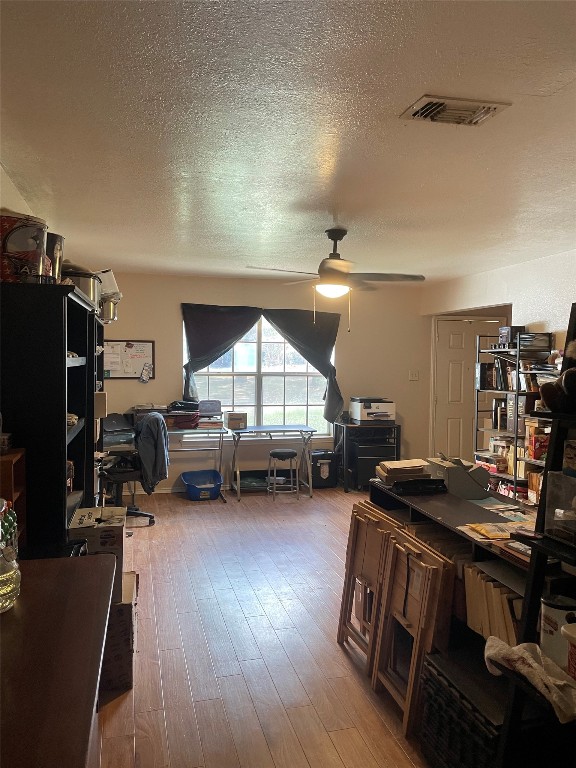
454	370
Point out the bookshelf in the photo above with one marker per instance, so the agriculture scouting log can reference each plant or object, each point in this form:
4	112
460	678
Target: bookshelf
554	538
509	441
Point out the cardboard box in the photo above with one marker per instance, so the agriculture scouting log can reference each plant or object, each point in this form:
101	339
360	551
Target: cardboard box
104	530
235	420
534	486
100	405
117	673
538	447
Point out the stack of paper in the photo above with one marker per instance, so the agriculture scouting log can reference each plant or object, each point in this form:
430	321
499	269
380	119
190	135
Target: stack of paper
409	469
497	530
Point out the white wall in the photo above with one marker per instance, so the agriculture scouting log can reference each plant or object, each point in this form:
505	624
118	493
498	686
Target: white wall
541	293
9	196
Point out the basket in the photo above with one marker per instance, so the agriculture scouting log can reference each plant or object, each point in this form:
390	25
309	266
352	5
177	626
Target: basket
453	731
202	485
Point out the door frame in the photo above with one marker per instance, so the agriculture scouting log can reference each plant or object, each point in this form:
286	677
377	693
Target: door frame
434	351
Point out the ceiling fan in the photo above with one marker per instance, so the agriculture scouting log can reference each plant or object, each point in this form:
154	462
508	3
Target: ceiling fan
335	277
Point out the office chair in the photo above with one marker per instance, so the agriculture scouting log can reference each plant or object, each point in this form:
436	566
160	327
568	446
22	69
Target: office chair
125	469
139	454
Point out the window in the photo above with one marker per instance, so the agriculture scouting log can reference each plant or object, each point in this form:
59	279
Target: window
265	377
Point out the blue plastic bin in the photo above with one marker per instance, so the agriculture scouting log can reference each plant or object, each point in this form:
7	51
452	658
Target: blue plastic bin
203	484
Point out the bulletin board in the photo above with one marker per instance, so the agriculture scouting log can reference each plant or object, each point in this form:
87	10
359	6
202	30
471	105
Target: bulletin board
129	359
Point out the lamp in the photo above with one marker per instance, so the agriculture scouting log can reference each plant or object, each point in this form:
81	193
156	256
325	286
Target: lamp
333	287
332	290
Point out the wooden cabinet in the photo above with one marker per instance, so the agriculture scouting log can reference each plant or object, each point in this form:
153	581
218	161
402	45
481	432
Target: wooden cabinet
48	370
51	646
13	486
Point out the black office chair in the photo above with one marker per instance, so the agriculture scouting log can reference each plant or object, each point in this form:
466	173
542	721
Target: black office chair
125	469
136	454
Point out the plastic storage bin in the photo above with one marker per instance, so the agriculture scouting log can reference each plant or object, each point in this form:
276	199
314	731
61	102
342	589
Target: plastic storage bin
203	484
324	469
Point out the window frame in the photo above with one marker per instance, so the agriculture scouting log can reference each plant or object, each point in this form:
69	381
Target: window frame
259	374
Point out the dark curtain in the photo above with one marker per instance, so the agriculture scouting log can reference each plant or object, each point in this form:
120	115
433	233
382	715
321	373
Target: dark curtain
314	338
213	330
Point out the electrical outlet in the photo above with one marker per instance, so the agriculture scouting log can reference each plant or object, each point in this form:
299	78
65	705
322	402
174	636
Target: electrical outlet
413	376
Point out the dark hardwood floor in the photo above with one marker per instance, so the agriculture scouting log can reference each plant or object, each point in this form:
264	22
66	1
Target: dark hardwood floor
237	663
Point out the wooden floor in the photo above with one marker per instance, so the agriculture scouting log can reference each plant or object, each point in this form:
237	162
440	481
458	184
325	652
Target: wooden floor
237	663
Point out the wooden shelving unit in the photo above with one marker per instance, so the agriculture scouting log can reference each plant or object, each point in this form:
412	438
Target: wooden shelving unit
13	486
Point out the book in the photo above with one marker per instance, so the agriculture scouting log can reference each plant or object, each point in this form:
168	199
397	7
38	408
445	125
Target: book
210	424
510	621
472	615
497	530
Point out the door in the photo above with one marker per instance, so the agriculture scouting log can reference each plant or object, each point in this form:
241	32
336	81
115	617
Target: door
453	383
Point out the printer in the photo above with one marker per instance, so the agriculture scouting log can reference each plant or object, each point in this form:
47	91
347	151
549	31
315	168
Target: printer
366	410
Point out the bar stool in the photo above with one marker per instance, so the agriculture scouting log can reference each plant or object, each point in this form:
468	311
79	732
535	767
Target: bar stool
293	486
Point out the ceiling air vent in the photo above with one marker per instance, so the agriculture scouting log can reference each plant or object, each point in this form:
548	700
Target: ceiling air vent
440	109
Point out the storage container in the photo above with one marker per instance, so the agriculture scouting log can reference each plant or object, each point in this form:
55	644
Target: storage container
569	634
324	469
55	252
23	248
462	712
235	420
202	485
85	280
556	612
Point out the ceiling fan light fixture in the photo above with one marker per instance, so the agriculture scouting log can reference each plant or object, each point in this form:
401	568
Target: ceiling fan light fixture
332	290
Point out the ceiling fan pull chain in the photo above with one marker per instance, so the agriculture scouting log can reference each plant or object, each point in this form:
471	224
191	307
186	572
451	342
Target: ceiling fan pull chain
349	301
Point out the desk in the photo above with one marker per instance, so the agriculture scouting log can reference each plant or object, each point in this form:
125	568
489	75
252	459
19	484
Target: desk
190	436
51	645
269	431
445	508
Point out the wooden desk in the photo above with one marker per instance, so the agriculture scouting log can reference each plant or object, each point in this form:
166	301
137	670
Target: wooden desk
444	508
269	430
51	645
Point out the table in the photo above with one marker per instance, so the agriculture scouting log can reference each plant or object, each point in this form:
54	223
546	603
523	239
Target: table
51	645
188	437
270	430
449	510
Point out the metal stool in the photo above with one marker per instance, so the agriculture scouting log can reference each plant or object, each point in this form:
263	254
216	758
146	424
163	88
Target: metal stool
293	486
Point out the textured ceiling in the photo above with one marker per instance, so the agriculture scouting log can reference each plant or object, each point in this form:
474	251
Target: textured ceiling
206	137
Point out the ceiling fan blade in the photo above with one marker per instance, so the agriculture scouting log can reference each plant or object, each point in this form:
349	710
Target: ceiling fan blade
304	280
291	271
330	264
383	277
360	285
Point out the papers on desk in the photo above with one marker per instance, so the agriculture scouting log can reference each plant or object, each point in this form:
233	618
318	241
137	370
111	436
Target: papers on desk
491	531
506	510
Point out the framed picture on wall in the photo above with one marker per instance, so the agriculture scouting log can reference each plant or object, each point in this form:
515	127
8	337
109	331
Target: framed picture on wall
129	359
